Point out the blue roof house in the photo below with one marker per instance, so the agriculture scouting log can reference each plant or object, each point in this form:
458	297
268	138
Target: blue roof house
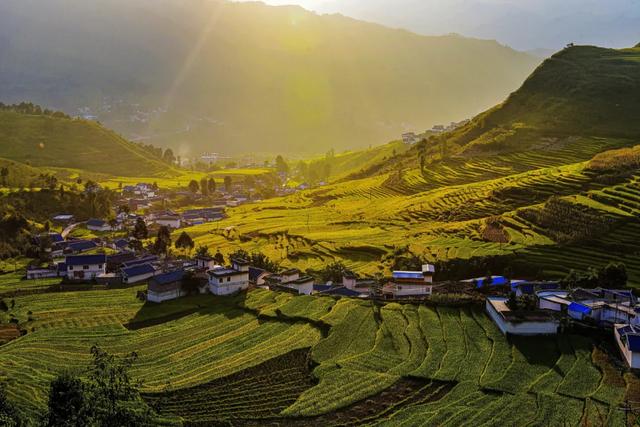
628	340
137	273
81	268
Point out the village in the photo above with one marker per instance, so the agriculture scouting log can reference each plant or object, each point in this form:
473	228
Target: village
116	259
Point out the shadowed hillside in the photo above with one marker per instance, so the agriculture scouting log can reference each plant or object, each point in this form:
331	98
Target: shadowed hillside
46	140
237	77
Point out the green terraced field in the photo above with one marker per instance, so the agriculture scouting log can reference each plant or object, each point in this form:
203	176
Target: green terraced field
216	359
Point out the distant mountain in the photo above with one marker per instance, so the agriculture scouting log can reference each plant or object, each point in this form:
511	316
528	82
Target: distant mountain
47	140
211	75
581	91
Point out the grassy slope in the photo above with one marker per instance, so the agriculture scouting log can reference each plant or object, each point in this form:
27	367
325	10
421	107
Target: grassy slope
440	213
67	143
207	338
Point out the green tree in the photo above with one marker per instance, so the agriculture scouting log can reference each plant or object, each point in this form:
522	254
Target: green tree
227	184
4	173
204	187
184	241
140	230
68	402
218	257
281	165
191	283
193	186
168	156
202	251
163	241
212	185
614	276
9	416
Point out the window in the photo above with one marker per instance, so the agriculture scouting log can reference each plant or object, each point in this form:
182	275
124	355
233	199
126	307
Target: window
100	266
228	279
71	267
85	267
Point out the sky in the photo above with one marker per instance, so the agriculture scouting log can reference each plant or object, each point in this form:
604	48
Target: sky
521	24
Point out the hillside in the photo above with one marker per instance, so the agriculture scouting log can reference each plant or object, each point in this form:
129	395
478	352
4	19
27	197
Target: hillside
540	189
53	141
237	77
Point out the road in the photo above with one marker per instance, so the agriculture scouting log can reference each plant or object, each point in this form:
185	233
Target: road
69	229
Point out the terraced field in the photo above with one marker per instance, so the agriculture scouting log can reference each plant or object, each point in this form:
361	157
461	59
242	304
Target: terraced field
439	214
315	361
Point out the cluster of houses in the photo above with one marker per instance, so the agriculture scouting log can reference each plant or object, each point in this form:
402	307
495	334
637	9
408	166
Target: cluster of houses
610	309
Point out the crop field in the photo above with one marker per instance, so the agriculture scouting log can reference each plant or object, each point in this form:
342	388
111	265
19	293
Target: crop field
314	360
439	214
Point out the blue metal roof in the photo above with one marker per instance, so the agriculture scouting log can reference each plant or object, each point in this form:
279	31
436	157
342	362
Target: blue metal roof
86	259
166	278
143	260
322	288
138	270
82	245
345	292
408	275
633	342
221	272
121	243
580	308
495	281
96	222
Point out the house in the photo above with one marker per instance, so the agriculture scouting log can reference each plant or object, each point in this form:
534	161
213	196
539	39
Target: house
302	285
628	340
36	272
85	267
362	286
405	284
227	281
523	287
339	290
115	261
137	273
63	218
554	300
537	322
79	246
98	225
142	260
205	262
171	221
121	244
165	287
258	276
53	238
410	138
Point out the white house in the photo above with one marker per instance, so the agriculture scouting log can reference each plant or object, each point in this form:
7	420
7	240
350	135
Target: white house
553	300
258	276
35	272
98	225
85	267
405	284
205	262
165	287
628	340
227	281
171	221
137	273
303	285
539	322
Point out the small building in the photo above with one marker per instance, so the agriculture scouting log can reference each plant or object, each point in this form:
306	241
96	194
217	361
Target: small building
530	288
227	281
63	218
121	244
98	225
408	284
79	246
628	340
410	138
258	276
171	221
553	300
205	262
302	285
165	287
137	273
85	267
538	322
36	272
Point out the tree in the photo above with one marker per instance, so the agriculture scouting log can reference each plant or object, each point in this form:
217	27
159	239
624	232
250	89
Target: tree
140	230
4	173
163	241
334	272
212	185
168	156
218	257
614	276
249	181
193	186
190	283
184	241
9	416
68	402
227	184
281	166
202	251
204	187
136	245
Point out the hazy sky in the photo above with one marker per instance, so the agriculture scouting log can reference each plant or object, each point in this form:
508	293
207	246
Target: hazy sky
522	24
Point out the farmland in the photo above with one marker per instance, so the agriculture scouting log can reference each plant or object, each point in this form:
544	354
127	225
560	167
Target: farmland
214	359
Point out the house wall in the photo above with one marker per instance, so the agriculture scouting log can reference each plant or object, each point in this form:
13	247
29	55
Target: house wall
169	223
521	328
548	305
304	289
89	273
138	278
236	283
412	290
159	297
41	274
